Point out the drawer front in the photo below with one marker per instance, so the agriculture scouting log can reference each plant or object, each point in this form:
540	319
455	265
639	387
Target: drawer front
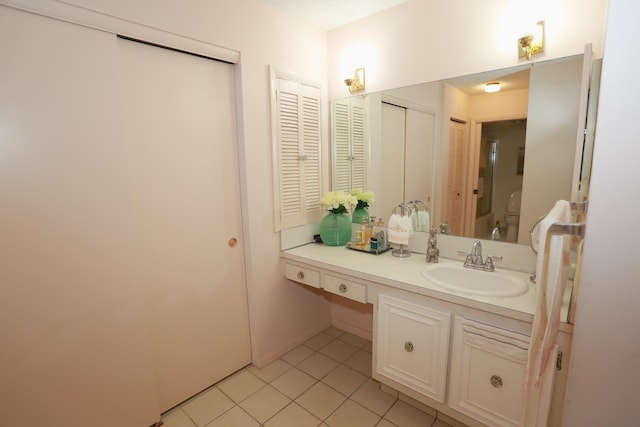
302	274
345	288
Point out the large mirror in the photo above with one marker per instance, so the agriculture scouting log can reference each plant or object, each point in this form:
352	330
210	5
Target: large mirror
476	159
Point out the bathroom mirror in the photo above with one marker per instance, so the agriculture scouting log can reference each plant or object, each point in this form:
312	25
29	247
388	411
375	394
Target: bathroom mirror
466	152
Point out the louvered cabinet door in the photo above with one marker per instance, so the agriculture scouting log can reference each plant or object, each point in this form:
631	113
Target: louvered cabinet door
349	144
299	164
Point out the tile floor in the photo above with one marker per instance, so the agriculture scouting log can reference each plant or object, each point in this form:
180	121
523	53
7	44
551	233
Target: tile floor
324	382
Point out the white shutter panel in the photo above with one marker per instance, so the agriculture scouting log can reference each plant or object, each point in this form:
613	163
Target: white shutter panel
297	147
358	144
341	146
311	149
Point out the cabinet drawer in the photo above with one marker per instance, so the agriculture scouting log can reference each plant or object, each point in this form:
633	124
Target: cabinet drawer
345	288
302	274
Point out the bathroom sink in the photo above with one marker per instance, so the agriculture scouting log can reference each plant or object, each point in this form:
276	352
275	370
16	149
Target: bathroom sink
457	278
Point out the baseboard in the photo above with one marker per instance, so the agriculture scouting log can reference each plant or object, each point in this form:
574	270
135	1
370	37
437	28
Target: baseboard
352	329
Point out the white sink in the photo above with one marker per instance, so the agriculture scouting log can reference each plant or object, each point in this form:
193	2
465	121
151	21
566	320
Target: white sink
457	278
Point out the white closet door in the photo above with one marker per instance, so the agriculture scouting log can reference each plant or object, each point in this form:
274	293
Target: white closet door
179	114
393	155
419	156
74	345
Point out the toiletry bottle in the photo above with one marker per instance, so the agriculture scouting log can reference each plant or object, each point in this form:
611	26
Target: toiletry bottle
495	234
368	232
363	230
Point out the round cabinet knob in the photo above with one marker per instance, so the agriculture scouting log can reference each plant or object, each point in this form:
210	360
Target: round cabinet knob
233	242
342	288
496	381
408	346
300	275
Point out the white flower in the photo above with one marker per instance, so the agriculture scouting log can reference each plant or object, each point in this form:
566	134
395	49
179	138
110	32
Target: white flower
338	201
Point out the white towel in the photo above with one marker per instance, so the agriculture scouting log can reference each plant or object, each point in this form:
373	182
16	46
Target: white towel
550	292
423	221
399	229
492	339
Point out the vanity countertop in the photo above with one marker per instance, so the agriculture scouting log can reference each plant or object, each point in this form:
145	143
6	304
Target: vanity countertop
405	274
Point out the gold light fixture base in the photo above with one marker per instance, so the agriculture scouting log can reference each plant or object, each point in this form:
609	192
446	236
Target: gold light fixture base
356	84
531	44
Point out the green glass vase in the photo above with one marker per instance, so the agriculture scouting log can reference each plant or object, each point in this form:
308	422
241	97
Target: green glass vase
335	229
358	214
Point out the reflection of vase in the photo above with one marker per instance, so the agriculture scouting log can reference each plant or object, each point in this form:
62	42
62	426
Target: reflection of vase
335	229
358	214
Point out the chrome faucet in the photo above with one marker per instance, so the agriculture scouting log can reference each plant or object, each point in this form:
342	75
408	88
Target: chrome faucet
474	258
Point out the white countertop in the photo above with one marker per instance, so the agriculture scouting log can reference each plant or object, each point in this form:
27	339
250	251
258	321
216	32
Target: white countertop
405	274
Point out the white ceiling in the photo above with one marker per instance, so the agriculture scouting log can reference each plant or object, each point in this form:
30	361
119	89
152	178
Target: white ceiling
329	14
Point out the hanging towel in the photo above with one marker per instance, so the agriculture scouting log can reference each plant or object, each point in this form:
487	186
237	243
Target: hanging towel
492	339
423	221
415	221
550	291
399	229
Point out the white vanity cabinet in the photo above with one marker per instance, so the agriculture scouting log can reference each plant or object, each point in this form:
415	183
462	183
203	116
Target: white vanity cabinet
412	345
487	379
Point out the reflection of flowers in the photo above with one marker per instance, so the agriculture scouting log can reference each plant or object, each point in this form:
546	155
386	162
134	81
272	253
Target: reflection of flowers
336	201
364	197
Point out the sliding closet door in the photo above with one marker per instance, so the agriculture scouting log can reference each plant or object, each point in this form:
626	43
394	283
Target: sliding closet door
74	346
179	114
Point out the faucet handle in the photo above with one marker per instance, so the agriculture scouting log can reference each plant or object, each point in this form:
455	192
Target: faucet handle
488	265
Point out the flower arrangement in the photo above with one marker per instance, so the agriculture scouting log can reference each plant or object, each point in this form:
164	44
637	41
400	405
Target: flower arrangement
336	201
364	197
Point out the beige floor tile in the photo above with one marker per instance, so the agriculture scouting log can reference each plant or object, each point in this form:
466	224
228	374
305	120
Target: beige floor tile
293	383
207	406
405	415
321	400
270	372
371	397
440	423
333	331
177	418
293	416
385	423
241	385
318	341
368	347
297	355
418	405
361	362
317	365
236	417
353	339
339	350
344	379
351	414
265	403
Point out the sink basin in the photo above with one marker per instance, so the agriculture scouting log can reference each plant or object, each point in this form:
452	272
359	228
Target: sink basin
457	278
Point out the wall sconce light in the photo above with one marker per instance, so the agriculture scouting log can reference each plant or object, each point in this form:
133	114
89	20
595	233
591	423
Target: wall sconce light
530	44
356	84
492	87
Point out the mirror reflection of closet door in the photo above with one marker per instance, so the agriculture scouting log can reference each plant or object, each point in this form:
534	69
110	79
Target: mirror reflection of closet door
407	151
454	215
179	116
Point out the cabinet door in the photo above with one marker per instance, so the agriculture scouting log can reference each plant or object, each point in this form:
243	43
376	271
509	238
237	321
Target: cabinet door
488	368
412	345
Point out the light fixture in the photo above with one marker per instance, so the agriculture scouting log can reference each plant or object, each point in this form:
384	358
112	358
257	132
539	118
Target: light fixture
492	87
356	84
532	43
